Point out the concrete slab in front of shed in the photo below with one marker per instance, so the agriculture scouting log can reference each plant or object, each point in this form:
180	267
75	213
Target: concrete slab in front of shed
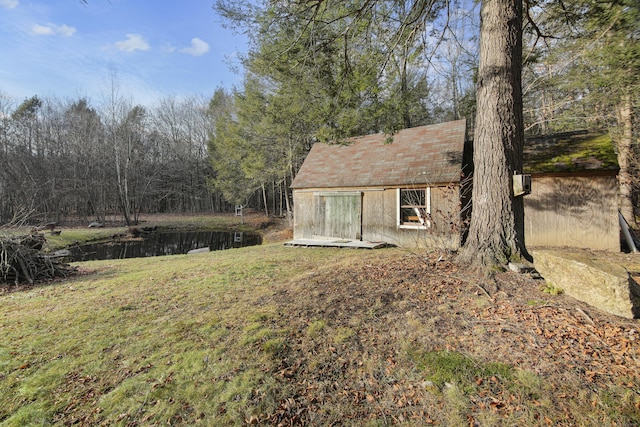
337	243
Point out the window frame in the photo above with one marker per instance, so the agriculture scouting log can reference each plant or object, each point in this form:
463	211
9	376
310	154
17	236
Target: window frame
422	223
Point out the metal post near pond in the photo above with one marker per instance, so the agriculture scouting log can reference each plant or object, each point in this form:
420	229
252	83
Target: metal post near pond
240	213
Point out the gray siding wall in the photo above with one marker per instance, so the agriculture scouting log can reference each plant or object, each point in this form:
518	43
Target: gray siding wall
378	218
580	212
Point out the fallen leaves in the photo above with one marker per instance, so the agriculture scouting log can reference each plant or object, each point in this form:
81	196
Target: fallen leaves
408	302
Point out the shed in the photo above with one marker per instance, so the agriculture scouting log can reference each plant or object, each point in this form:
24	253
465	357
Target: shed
405	192
412	191
574	191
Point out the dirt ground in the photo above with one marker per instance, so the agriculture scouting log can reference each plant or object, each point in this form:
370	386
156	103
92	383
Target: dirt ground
437	305
434	303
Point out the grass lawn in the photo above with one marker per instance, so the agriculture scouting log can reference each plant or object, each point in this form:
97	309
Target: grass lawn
148	340
268	335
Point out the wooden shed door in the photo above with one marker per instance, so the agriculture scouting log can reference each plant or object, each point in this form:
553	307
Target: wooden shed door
339	215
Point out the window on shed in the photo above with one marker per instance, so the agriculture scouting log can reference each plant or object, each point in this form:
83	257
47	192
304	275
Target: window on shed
414	207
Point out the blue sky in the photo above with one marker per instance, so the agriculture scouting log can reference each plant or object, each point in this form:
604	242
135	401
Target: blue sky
156	48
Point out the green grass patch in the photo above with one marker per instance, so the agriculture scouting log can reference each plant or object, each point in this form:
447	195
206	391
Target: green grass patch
73	236
448	368
342	335
551	289
316	328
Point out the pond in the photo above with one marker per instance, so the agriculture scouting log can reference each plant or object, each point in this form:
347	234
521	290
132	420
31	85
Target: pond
163	243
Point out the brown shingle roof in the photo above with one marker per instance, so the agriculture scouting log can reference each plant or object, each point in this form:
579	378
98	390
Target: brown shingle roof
426	154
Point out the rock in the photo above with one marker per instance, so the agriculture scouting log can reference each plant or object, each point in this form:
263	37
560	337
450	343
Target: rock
199	251
62	253
601	284
527	269
520	268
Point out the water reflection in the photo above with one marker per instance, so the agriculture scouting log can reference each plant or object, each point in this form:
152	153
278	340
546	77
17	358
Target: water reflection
164	243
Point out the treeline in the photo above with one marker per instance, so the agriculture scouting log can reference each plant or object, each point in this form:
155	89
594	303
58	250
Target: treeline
62	159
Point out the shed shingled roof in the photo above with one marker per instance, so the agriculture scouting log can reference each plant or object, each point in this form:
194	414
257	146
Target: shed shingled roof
421	155
577	151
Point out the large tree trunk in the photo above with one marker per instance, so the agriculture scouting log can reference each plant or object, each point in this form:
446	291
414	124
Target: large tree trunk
625	153
496	233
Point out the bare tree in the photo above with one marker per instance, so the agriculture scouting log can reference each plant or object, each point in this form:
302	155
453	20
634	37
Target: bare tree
87	175
6	107
116	111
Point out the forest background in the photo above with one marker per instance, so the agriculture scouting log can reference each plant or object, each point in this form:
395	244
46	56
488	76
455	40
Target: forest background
72	158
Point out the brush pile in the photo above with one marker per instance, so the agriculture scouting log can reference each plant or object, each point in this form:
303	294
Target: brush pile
22	260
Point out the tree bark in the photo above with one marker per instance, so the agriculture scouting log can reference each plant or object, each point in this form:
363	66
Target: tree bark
496	233
266	203
625	153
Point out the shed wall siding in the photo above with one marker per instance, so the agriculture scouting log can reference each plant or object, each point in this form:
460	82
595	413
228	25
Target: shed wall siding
303	215
573	211
338	214
379	218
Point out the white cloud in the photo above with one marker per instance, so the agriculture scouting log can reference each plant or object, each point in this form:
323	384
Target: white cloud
52	29
41	30
66	30
9	4
198	47
132	43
